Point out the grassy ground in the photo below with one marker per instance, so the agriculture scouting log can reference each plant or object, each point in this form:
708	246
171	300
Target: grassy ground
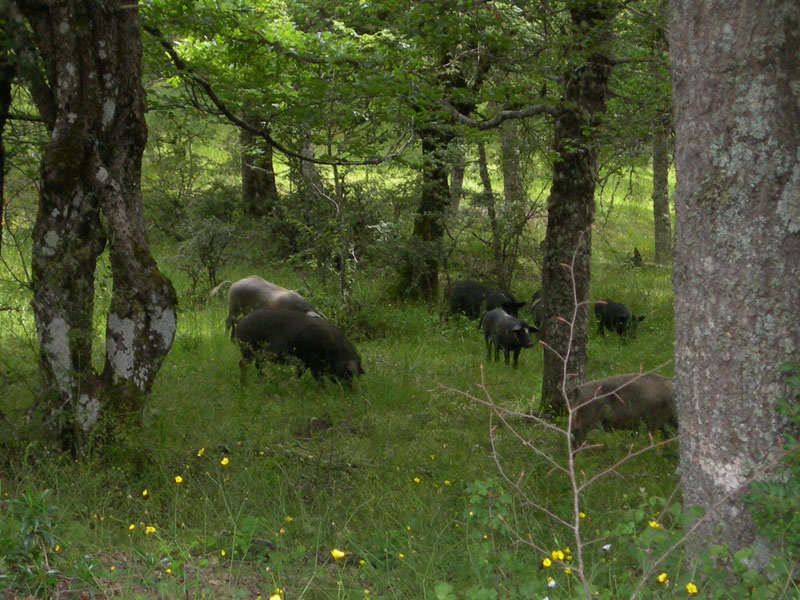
404	472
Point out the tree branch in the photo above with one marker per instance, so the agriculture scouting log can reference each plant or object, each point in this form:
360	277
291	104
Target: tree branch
189	73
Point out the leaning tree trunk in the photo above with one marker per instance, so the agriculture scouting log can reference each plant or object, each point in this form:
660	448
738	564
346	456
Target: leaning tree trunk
259	187
661	224
570	208
91	199
735	68
420	271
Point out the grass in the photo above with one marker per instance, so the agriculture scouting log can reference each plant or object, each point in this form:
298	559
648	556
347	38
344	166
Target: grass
399	472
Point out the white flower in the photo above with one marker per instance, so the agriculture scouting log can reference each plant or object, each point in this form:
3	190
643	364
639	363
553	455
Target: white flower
551	583
607	547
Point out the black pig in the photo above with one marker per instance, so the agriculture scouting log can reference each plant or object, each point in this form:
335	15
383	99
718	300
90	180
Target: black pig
615	316
278	334
471	298
622	402
507	332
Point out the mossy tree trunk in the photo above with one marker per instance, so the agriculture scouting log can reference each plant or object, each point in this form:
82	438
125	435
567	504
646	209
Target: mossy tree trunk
90	200
570	207
735	68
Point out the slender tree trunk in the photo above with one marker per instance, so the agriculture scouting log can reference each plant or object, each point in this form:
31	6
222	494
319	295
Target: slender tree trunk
735	68
491	209
515	199
420	271
458	152
513	186
7	74
661	220
91	199
570	207
259	187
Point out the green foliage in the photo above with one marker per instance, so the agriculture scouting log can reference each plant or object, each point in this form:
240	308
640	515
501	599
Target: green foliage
26	539
775	502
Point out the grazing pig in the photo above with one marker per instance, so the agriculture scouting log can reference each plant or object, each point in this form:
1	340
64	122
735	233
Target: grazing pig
252	292
278	334
622	402
471	299
507	332
615	316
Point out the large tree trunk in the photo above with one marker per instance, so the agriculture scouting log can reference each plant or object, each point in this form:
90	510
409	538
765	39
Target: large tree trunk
420	271
259	187
570	207
90	199
661	221
735	68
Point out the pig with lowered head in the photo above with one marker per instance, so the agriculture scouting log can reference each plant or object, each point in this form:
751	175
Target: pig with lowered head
250	293
615	316
472	298
623	402
277	334
505	331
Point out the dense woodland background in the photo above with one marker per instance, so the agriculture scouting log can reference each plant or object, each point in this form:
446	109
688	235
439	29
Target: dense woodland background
368	154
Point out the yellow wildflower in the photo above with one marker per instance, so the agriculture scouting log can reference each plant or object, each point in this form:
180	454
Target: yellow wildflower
201	452
337	554
662	578
145	493
582	515
57	548
567	570
289	519
654	524
691	588
224	462
416	479
400	555
149	529
222	553
447	482
178	479
546	562
131	526
275	597
168	571
557	554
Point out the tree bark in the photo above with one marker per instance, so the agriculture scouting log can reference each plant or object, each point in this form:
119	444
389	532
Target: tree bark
570	207
735	68
661	220
259	186
91	199
420	271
